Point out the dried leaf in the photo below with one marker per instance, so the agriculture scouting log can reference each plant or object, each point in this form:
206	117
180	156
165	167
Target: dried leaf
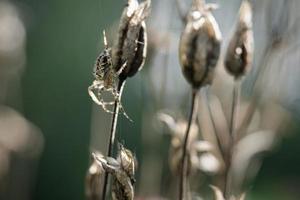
217	192
246	149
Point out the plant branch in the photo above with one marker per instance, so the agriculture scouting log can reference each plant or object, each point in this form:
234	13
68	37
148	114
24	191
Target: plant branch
112	135
183	175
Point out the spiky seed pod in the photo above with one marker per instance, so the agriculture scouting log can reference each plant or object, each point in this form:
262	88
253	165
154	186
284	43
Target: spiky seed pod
131	46
240	50
200	44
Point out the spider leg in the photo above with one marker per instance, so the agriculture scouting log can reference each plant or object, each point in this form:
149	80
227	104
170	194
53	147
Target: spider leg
121	69
105	107
122	110
98	87
97	98
95	86
139	42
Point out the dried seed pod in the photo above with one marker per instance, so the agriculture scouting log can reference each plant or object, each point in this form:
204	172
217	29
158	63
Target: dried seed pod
132	38
122	171
122	186
93	179
127	161
239	53
200	44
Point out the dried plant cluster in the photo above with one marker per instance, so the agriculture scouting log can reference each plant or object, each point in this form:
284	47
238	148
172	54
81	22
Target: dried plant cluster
113	66
122	169
207	143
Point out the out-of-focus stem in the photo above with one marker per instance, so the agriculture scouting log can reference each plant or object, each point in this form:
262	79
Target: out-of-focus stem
113	128
232	131
181	13
234	109
217	134
183	176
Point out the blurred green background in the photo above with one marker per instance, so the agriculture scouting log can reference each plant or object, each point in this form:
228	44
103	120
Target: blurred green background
64	38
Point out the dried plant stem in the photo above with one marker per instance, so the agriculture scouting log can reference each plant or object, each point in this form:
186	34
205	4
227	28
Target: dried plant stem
183	176
210	112
234	109
232	131
113	128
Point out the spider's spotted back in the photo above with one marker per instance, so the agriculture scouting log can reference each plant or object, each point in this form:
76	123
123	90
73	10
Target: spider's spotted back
104	61
103	64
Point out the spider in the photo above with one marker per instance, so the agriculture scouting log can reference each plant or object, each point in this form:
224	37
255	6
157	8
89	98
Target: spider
106	79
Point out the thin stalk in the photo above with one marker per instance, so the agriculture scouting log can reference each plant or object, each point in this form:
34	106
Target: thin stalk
232	131
217	134
183	175
258	78
234	109
113	128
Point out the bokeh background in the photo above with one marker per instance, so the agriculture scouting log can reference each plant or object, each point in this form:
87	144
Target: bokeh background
49	125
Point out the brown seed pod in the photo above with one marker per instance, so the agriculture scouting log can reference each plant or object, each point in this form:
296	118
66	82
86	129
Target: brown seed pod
127	160
122	186
240	50
132	38
122	170
200	44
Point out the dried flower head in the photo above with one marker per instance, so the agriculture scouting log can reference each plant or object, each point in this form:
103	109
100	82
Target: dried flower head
122	171
200	156
132	38
200	44
239	53
106	80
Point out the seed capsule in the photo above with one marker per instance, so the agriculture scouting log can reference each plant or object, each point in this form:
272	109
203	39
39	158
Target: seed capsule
122	185
239	53
200	44
122	170
132	38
